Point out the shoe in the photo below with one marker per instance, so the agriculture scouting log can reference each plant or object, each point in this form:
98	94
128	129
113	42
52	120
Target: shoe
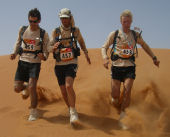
33	114
73	116
25	93
115	103
121	124
122	115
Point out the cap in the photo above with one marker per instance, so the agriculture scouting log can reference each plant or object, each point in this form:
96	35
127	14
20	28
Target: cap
65	13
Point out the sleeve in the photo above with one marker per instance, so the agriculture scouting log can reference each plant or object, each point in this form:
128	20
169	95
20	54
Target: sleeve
17	43
145	46
107	44
140	40
52	41
45	45
81	41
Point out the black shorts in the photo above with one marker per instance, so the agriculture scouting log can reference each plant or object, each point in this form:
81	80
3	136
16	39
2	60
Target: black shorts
63	71
27	70
121	73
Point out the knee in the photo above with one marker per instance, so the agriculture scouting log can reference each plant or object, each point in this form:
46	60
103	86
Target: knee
31	88
17	88
69	87
127	95
115	91
128	87
127	91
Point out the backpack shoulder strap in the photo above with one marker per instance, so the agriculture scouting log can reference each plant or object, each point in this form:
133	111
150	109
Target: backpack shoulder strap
135	38
23	29
73	39
114	40
134	35
73	29
42	33
57	30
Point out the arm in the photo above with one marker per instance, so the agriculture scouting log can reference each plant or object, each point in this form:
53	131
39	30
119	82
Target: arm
53	45
45	54
16	46
105	48
148	50
82	45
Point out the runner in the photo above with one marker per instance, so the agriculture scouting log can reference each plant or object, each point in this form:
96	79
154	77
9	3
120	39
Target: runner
31	45
123	55
65	50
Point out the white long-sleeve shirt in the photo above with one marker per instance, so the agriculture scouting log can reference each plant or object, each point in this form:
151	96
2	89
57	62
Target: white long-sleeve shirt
31	38
124	41
66	33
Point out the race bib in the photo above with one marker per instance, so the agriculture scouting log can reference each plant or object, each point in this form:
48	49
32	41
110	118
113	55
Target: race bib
30	45
126	52
66	54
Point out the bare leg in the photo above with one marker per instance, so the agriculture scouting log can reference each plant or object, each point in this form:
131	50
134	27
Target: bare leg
70	91
115	90
64	94
71	99
128	83
19	86
33	93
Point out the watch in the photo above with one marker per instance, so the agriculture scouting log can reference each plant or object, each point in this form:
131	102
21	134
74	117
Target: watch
154	58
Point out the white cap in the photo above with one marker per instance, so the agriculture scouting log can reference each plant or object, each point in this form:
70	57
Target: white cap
65	13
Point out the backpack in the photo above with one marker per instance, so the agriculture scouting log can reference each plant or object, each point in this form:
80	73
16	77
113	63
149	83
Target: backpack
42	33
76	50
115	57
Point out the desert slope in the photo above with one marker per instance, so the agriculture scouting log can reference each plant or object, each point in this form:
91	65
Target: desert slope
148	114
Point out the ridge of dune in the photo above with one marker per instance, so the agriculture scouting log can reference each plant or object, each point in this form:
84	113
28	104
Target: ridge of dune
147	115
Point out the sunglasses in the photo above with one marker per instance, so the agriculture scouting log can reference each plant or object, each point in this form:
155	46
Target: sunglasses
33	21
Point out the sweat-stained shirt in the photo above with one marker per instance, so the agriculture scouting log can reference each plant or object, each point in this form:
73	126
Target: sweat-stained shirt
124	42
66	33
31	38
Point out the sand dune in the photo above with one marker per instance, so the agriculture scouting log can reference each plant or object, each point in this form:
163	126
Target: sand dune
148	114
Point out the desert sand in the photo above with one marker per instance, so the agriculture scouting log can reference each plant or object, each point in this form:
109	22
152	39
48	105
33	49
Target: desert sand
148	114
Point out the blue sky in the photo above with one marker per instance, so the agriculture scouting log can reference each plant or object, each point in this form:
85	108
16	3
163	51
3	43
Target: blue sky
95	18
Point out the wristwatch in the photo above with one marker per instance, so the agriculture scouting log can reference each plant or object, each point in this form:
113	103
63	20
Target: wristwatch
154	58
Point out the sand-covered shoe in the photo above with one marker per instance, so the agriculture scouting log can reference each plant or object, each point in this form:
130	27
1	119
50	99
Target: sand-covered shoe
25	93
115	103
33	114
121	124
74	119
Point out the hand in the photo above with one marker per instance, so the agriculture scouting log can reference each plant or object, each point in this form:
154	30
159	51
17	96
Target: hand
41	56
156	62
87	58
106	62
55	46
12	56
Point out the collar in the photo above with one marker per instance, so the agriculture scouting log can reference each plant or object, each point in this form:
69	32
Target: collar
66	29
